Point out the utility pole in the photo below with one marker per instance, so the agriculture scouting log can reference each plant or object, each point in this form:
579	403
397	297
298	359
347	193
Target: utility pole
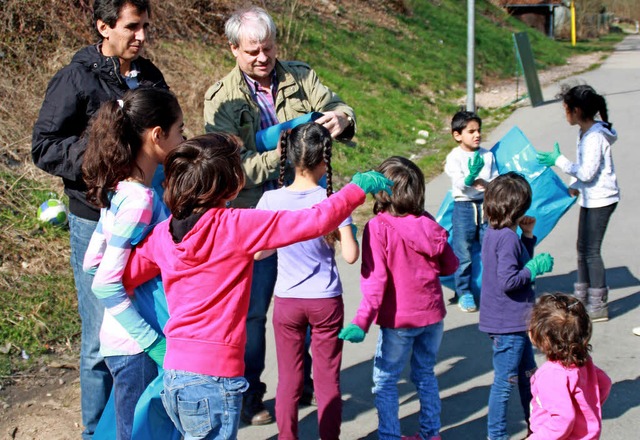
471	42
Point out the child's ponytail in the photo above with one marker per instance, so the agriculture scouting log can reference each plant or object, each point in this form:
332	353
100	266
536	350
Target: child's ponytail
602	109
327	152
115	137
586	99
284	146
109	157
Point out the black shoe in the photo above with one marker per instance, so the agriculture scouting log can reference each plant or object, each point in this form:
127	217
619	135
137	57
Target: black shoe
308	398
253	410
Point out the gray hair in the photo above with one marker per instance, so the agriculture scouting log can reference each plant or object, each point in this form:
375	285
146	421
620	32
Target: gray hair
262	29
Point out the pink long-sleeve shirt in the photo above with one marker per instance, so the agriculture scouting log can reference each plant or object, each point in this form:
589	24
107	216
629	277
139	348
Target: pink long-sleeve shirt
207	276
567	401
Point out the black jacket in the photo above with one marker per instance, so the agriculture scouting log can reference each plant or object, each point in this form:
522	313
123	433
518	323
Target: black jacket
74	94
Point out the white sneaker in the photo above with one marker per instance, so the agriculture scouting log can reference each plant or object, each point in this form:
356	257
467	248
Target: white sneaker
636	331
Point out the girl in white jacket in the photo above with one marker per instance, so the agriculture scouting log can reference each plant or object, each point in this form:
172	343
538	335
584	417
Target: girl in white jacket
596	186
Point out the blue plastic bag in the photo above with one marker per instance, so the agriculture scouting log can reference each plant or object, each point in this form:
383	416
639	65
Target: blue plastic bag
267	139
551	198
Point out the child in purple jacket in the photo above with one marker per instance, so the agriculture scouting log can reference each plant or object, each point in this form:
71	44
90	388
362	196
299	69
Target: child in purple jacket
507	295
404	252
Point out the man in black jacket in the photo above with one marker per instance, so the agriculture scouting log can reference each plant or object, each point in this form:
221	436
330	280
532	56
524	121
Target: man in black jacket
97	73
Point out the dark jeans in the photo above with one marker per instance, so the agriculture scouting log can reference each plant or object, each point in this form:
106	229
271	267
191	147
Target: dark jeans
264	279
591	228
131	375
513	363
95	379
467	230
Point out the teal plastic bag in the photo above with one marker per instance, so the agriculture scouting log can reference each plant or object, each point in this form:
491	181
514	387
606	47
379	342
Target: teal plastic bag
551	198
267	139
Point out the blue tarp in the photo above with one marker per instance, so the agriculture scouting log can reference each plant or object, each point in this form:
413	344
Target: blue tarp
551	199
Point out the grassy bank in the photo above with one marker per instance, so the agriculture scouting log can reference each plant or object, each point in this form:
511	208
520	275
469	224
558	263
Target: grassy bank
403	70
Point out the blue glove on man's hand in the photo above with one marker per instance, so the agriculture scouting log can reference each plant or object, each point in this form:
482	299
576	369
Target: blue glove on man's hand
372	182
476	163
352	333
541	263
549	159
157	351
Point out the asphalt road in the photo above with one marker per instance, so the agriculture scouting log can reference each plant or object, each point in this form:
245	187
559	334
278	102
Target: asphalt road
464	367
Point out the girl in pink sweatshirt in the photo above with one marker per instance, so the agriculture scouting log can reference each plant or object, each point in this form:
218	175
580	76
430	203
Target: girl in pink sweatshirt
568	390
205	252
404	251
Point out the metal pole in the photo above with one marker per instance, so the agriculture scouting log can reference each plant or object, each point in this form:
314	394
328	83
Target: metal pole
573	23
471	80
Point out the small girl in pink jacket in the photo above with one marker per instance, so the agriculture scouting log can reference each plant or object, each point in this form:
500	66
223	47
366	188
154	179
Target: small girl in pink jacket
404	251
568	390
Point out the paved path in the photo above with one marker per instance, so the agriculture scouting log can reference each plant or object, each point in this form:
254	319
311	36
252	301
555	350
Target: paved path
464	367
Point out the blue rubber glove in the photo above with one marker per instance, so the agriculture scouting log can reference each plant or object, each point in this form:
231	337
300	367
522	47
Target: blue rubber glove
157	351
476	163
541	263
352	333
549	159
372	182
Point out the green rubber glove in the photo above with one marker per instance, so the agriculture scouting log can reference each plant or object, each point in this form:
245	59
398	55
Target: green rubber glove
352	333
372	182
157	350
549	159
541	263
354	229
476	163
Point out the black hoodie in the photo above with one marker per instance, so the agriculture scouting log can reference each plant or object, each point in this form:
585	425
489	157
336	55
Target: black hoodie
74	94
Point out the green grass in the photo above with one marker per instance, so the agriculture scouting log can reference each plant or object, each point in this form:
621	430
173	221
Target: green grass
409	78
38	315
399	80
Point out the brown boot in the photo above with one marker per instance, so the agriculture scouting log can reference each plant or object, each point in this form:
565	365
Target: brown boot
580	292
253	410
597	307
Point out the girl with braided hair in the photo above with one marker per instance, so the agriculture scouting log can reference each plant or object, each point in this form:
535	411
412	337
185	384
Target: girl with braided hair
308	291
594	182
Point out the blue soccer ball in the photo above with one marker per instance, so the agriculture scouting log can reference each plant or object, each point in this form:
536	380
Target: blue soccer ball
53	211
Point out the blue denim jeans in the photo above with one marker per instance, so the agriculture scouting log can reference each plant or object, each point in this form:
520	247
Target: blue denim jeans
131	375
513	363
467	231
203	407
591	228
264	280
95	379
392	352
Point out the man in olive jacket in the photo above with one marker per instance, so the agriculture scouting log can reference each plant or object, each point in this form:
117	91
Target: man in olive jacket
259	92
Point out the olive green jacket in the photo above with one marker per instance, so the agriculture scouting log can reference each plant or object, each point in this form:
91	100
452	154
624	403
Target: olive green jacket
229	107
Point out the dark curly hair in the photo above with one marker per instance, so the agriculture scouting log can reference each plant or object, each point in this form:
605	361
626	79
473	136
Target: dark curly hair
202	173
561	329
